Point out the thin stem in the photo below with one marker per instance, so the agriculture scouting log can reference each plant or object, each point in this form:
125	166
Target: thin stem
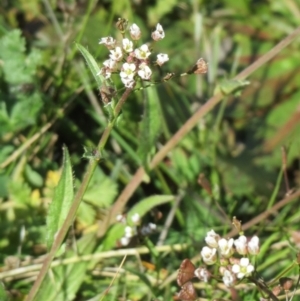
89	257
78	197
261	284
283	273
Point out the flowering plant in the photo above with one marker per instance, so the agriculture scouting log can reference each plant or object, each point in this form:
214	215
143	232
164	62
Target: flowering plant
235	259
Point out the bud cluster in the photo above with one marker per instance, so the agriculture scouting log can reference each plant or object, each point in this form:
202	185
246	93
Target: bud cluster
127	59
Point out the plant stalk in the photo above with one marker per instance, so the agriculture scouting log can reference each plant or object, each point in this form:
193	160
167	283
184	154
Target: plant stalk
78	197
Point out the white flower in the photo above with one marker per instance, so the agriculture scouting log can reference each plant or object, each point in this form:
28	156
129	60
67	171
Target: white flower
105	71
209	255
244	268
127	45
202	274
161	59
212	239
135	32
110	63
109	42
128	71
116	54
228	278
128	82
144	72
241	245
253	245
135	218
127	75
129	231
121	218
124	241
158	34
225	247
143	52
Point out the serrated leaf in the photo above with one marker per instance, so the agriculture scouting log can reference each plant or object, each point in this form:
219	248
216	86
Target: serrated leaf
92	64
150	126
17	67
101	191
62	200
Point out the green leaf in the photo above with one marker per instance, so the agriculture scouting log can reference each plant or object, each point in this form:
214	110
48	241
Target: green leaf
147	204
63	282
232	86
156	13
62	199
151	124
3	294
92	64
33	177
17	67
100	193
142	207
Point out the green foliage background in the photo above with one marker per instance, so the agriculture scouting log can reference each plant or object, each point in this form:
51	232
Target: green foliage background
48	98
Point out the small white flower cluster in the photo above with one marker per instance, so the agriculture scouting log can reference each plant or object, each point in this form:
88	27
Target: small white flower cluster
231	268
129	231
133	228
134	61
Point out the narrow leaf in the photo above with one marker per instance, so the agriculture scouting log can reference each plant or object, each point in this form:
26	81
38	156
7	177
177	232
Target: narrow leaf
232	86
3	294
143	206
62	199
92	64
150	125
147	204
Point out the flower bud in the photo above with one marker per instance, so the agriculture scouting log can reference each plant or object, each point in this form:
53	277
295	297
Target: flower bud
286	283
158	34
122	24
253	245
209	255
135	32
241	245
212	239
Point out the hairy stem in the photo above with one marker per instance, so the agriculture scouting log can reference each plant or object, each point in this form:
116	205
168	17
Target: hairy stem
76	202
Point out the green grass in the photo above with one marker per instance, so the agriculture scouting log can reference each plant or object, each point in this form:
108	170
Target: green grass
188	154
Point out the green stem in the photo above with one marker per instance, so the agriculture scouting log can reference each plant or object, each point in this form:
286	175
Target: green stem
283	273
262	286
78	197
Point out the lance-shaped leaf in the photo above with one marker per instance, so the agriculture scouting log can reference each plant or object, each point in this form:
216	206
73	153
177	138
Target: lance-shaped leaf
141	208
231	86
62	200
147	204
150	125
92	64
